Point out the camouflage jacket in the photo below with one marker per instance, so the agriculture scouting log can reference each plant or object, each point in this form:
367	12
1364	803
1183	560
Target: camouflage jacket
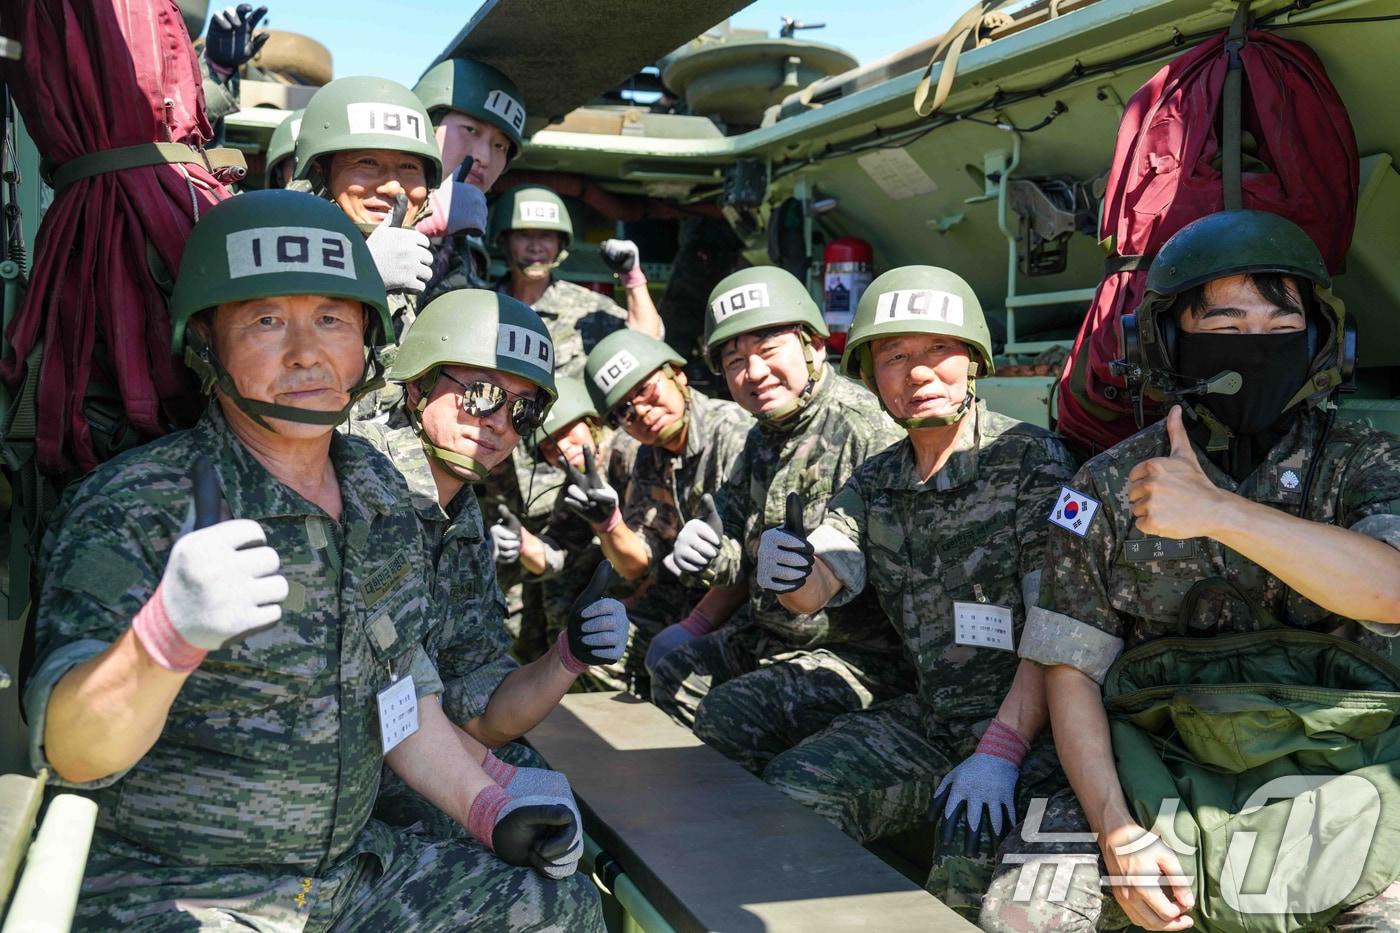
665	494
1115	587
813	454
270	754
468	643
577	319
974	533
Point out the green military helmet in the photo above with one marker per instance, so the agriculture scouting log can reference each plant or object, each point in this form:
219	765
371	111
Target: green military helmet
480	328
530	207
756	299
195	12
918	300
573	403
366	113
283	145
478	90
1226	243
620	362
267	244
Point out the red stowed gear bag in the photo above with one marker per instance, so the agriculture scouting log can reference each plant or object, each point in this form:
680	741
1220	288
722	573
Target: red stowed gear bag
1166	173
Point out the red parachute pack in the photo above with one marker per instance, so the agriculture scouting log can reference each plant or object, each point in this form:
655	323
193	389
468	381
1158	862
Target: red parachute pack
1166	172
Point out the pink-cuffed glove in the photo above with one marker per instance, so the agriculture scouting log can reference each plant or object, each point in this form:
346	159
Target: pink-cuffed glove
675	636
220	585
625	261
457	207
985	783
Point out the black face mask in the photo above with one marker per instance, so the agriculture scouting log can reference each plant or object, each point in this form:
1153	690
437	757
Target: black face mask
1273	366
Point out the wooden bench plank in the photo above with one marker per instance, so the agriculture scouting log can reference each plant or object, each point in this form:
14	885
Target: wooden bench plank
710	845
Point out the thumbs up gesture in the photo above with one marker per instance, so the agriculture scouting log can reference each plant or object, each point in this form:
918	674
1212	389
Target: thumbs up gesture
784	553
505	536
1171	496
598	626
698	542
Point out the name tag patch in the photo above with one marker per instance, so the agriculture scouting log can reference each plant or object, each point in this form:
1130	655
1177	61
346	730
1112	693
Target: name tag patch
1144	549
620	364
265	250
741	299
523	344
538	211
392	119
919	304
982	625
398	713
1074	511
507	108
380	582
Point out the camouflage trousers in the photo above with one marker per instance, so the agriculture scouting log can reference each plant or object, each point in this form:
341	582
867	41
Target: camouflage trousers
874	772
424	883
807	689
1086	905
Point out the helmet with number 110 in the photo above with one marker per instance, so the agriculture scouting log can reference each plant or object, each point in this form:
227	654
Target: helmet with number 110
919	300
366	113
480	329
269	244
477	90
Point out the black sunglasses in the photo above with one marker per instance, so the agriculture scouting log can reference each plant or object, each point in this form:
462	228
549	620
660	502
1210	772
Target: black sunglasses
480	399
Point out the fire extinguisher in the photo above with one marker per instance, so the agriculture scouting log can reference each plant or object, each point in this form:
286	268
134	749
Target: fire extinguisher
849	269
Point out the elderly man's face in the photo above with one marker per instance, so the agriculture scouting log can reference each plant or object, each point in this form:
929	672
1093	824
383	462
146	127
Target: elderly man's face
302	351
921	375
365	182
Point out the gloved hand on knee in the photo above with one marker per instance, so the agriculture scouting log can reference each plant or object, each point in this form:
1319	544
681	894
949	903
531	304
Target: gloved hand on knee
523	783
676	636
979	795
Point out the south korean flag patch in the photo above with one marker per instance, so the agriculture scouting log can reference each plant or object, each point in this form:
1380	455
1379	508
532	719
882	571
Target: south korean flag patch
1074	511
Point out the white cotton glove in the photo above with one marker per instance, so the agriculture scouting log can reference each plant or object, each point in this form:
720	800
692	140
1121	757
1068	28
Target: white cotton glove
401	255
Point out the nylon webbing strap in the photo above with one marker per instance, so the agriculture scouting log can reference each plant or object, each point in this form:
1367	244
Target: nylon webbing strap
982	15
127	157
1112	264
1231	112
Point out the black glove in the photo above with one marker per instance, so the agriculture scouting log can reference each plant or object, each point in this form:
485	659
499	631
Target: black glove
784	553
598	627
589	494
230	40
533	832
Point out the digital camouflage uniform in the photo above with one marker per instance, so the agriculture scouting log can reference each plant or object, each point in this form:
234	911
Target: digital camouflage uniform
664	494
1110	591
974	533
802	670
577	319
253	806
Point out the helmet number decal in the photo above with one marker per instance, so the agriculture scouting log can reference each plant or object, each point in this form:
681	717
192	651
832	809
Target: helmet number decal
265	250
507	108
545	212
525	345
919	304
620	364
366	117
738	300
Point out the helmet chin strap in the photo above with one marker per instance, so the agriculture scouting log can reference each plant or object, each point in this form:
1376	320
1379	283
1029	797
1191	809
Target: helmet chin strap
199	356
788	409
543	267
464	468
676	427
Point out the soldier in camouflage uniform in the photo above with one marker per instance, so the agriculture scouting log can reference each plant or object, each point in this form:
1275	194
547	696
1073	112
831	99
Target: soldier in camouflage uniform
1258	488
366	144
453	378
230	42
815	428
948	528
210	675
478	114
690	442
